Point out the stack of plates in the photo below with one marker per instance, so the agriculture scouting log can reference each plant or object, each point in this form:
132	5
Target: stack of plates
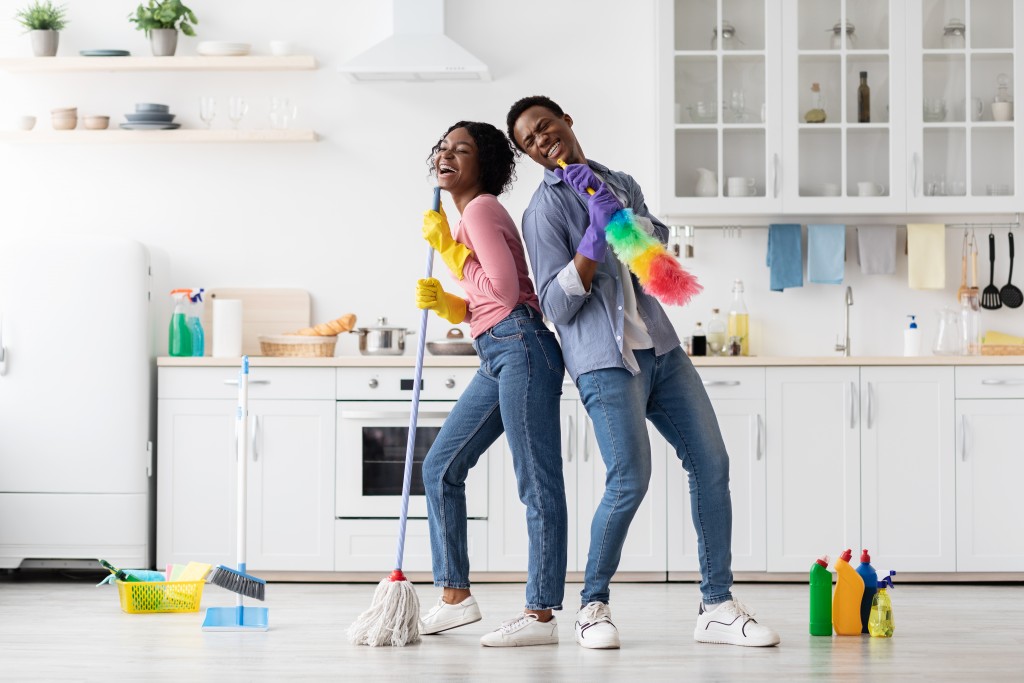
220	48
150	117
105	53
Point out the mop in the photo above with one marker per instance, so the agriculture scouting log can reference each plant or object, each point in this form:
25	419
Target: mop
394	614
659	272
239	617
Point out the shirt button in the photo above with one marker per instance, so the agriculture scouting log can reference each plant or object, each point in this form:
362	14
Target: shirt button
618	338
620	308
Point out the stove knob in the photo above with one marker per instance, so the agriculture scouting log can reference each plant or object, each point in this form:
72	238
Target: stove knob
450	382
373	382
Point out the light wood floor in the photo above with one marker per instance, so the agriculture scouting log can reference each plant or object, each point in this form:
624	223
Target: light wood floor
65	629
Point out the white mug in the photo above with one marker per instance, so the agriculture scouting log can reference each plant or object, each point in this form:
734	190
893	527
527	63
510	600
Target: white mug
830	190
1002	111
869	188
739	186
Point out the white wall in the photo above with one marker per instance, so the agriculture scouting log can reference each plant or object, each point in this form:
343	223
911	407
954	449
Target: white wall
341	217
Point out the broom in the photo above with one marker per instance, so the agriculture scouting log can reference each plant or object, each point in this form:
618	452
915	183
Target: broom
394	614
659	273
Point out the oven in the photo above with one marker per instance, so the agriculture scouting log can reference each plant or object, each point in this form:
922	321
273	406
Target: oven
373	425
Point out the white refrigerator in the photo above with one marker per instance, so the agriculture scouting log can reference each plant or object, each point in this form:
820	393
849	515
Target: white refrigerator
76	403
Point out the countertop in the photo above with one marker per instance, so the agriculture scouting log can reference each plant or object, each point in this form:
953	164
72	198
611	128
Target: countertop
699	361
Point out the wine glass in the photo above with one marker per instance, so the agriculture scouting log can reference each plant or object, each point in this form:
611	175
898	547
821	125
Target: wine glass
282	112
237	107
207	110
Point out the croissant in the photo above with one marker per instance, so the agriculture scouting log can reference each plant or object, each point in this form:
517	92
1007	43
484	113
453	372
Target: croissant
330	328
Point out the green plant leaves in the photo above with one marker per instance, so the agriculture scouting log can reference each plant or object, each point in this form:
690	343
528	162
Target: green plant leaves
170	14
42	15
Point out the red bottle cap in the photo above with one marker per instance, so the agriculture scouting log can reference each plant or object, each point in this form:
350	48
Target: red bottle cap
847	554
864	557
823	561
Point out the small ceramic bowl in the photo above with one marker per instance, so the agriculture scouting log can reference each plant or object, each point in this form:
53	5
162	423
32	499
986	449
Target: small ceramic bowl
281	48
150	107
26	122
96	122
65	111
64	122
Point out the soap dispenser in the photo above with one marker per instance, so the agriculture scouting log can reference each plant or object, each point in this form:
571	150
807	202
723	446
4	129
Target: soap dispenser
912	338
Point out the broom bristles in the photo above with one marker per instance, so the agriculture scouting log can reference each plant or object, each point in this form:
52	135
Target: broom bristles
393	618
237	582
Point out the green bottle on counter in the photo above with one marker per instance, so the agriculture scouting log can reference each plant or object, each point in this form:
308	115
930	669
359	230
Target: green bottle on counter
821	598
179	335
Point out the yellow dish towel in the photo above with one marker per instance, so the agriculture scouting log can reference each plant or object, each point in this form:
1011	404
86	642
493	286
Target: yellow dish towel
926	255
1001	339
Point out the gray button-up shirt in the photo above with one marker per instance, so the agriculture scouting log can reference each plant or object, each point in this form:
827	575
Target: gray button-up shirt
589	324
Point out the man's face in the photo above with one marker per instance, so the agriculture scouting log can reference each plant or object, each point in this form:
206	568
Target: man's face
546	137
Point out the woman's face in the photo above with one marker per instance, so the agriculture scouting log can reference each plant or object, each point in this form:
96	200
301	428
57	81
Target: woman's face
456	163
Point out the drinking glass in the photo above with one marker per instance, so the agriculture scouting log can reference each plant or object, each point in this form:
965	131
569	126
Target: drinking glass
282	112
237	107
737	102
207	110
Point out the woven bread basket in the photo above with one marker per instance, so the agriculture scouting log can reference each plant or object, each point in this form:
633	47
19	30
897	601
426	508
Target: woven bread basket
294	345
1002	349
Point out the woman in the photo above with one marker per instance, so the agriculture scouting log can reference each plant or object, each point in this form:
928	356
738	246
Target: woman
516	390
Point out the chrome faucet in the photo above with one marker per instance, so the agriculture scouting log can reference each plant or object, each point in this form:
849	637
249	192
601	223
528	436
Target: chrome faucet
845	347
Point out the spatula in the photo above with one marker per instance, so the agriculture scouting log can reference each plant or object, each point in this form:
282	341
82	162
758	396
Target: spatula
964	289
990	295
1010	293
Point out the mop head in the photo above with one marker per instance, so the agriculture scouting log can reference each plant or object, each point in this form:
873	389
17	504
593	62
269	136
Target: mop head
238	582
659	274
393	618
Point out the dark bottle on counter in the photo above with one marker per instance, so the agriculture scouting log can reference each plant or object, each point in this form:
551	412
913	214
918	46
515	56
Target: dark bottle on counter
863	99
698	342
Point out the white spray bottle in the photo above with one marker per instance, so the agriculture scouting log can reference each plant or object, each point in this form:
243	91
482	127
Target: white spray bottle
912	338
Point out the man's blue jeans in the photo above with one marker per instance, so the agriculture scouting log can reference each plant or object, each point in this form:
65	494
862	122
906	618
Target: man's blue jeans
669	393
516	390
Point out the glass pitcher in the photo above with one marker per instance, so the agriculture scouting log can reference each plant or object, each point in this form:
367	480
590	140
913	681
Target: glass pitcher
949	336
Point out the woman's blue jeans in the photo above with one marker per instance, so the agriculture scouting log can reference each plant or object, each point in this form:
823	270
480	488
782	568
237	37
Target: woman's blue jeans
668	392
516	391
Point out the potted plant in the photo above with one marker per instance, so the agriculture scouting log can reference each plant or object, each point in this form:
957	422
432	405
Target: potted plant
43	21
161	20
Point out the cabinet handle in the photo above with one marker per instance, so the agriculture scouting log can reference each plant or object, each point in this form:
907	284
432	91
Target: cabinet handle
254	438
916	160
963	437
721	383
775	175
586	442
759	436
386	415
870	393
568	438
234	382
853	401
1002	382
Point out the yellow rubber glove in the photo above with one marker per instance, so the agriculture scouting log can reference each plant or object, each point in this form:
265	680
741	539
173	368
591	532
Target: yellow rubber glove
437	233
430	295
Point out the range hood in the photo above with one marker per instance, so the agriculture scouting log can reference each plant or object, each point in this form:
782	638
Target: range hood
418	50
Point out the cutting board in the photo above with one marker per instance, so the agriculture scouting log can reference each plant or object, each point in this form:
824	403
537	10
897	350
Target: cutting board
264	311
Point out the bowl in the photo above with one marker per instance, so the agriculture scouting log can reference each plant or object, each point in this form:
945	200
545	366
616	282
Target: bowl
703	112
150	117
150	107
25	122
281	48
95	122
64	122
65	111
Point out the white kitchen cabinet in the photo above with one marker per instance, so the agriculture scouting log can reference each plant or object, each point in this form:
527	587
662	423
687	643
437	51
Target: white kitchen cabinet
369	545
737	395
907	467
290	469
813	473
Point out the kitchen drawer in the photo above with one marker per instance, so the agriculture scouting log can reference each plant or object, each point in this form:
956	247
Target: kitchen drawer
733	382
391	384
276	383
362	545
994	381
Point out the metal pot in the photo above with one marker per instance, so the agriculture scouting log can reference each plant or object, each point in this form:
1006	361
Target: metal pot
454	344
382	340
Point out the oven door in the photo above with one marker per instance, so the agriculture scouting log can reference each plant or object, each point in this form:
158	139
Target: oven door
370	459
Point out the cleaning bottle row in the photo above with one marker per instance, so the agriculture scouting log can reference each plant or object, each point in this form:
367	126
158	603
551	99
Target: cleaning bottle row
186	337
860	603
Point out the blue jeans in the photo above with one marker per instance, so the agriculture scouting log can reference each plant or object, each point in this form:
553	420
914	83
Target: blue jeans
516	391
669	393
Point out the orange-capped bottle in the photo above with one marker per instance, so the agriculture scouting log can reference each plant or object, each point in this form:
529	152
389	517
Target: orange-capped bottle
846	600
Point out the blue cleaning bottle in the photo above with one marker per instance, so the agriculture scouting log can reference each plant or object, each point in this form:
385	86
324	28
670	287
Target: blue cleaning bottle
870	576
195	324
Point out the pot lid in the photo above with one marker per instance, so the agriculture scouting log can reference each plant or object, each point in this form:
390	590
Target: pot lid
382	325
454	337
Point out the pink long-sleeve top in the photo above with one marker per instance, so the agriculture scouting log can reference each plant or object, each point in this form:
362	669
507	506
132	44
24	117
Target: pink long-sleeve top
495	277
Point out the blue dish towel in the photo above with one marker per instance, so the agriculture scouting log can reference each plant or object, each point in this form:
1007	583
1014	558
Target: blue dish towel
826	253
785	256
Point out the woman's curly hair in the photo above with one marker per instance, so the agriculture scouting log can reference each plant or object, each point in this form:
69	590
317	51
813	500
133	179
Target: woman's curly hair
496	156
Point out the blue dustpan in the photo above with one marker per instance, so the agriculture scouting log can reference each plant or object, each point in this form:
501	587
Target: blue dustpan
236	619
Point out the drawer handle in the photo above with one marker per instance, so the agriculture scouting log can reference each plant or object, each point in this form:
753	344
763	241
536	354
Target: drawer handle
1002	382
721	383
234	382
569	428
388	415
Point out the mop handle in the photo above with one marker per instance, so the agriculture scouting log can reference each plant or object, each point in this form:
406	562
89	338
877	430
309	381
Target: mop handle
410	446
241	421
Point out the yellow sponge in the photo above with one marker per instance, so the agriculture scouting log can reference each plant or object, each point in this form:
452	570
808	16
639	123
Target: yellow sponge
999	338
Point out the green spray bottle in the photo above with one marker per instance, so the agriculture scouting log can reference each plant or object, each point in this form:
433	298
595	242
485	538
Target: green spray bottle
881	623
821	598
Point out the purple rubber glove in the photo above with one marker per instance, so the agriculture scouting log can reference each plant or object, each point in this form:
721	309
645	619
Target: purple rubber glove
579	177
602	205
593	245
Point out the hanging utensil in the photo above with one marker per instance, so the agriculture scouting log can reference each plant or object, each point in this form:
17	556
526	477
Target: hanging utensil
990	295
974	295
964	289
1011	294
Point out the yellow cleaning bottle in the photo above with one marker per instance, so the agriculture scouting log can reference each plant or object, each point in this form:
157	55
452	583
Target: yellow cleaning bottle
881	623
846	600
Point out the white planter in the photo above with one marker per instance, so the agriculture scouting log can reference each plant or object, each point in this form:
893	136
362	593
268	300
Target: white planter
163	41
44	43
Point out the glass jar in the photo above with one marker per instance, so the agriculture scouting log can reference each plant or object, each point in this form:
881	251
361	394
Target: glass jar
716	334
729	39
837	36
954	35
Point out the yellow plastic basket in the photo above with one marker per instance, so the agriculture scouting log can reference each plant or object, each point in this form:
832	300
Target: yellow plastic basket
138	597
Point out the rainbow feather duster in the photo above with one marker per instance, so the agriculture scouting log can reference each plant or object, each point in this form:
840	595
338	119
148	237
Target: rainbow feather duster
659	272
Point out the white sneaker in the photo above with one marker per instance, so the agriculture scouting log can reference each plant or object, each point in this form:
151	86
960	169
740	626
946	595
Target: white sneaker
594	627
521	631
443	616
732	624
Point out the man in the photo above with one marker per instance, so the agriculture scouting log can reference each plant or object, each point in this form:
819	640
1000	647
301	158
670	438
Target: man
625	358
